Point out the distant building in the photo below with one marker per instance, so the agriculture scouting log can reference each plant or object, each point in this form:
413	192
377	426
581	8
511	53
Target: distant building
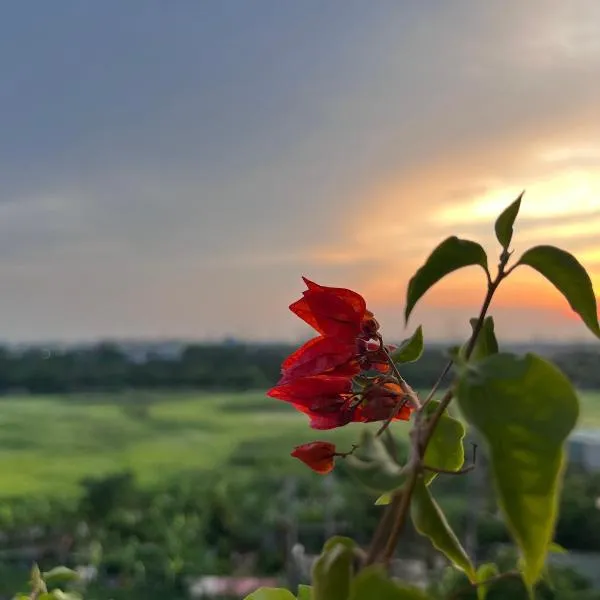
584	449
228	587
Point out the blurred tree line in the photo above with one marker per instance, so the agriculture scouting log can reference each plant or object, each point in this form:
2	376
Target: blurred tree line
226	366
152	542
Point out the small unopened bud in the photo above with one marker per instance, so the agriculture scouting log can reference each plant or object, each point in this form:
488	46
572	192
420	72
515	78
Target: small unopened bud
370	326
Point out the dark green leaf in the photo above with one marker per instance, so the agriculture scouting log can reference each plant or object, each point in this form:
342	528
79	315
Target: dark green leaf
332	571
373	466
452	254
484	572
429	520
60	575
411	349
504	223
270	594
525	408
304	592
373	584
445	449
569	277
486	343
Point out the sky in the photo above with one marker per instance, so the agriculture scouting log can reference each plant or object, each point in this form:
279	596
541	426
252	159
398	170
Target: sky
172	169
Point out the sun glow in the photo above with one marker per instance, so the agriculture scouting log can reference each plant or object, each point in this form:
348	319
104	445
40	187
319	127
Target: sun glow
563	209
574	192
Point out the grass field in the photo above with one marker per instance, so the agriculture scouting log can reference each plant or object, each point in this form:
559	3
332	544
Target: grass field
48	444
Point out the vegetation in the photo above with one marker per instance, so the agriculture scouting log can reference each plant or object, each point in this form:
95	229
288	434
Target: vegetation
109	367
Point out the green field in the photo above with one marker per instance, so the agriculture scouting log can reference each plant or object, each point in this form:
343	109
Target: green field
48	444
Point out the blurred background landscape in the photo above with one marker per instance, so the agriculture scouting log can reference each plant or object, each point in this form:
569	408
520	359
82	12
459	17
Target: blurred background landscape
163	470
169	170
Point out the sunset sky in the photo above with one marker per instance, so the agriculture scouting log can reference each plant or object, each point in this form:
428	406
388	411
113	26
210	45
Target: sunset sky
173	168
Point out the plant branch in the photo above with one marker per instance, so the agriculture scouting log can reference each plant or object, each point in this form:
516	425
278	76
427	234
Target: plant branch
423	430
400	380
350	452
409	394
447	398
401	515
380	536
437	384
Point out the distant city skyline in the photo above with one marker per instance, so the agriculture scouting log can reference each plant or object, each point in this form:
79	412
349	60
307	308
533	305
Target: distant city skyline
170	170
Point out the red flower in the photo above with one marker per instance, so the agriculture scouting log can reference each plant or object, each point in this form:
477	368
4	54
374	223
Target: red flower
321	355
380	401
323	421
328	401
334	311
314	393
319	456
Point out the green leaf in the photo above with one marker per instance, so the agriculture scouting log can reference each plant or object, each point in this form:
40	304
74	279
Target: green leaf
270	594
452	254
373	466
304	592
557	549
569	277
484	572
37	581
384	499
429	520
486	343
373	584
525	408
411	349
60	575
445	449
60	595
504	223
332	571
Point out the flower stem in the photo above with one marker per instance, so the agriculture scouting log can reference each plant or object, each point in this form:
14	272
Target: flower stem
409	394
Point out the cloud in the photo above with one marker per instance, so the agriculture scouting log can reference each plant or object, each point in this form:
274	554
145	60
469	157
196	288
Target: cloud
175	170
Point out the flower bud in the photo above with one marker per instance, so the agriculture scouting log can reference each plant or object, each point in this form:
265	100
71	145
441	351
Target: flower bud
370	326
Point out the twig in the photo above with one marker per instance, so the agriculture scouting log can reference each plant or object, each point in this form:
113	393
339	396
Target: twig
409	394
401	404
352	450
437	384
382	529
447	398
401	516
